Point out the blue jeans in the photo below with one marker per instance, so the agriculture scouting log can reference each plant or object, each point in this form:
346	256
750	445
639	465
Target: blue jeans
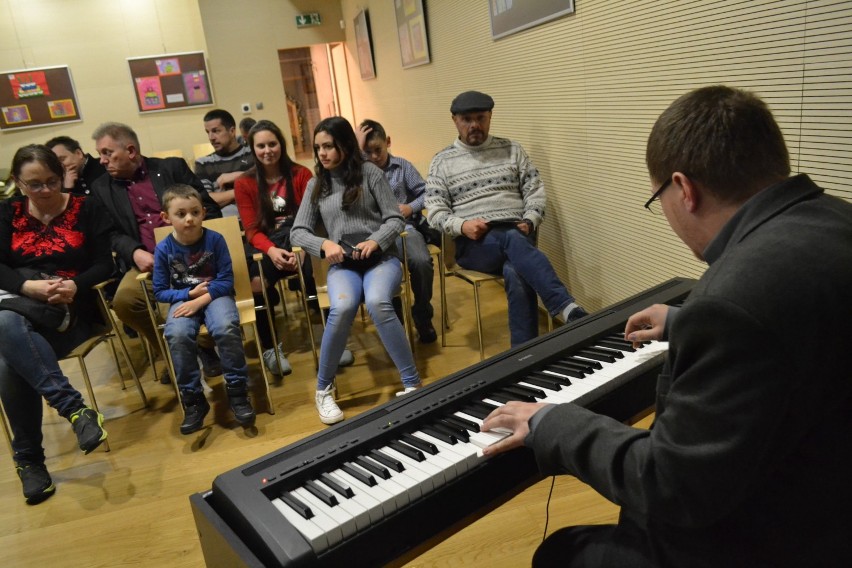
422	273
345	289
223	324
526	273
29	370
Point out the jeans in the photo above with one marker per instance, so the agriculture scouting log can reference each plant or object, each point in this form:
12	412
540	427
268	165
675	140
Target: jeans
526	273
29	370
223	324
422	273
345	289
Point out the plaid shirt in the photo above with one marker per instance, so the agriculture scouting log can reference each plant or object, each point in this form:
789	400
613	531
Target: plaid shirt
406	182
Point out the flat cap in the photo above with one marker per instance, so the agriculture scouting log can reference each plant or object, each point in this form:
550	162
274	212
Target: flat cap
470	101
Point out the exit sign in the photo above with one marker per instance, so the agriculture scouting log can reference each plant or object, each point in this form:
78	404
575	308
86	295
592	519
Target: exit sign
305	20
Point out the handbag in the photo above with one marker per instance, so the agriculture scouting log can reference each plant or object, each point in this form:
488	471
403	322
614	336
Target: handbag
348	243
281	235
41	314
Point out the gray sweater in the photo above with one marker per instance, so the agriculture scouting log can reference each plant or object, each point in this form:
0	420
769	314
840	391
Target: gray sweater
374	212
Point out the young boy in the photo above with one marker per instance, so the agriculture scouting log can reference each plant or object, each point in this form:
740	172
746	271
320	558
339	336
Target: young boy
193	273
410	190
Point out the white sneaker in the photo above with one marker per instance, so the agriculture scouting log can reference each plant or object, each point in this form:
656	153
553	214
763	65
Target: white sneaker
406	391
329	412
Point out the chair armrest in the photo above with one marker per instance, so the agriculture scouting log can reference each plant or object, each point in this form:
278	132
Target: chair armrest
295	250
143	276
104	284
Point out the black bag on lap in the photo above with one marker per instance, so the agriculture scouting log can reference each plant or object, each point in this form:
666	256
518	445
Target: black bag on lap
41	314
348	242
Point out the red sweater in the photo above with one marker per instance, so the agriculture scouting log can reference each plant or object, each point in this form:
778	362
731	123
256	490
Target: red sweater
245	194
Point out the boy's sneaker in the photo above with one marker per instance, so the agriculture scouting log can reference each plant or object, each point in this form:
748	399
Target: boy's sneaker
271	362
211	365
329	412
195	409
36	483
241	405
88	425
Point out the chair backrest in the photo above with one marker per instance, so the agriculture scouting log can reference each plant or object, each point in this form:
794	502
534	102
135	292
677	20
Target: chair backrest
203	149
229	228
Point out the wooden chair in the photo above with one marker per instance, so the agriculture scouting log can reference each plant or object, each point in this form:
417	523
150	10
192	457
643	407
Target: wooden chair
320	271
106	333
438	253
230	229
200	150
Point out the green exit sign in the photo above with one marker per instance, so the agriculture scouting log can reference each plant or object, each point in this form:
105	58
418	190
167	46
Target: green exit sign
305	20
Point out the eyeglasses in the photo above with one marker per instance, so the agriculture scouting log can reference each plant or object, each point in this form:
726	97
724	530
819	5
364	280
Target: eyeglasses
52	184
653	204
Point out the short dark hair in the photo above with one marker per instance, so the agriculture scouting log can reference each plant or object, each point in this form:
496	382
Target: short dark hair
724	138
70	144
36	153
119	132
247	123
179	191
377	131
226	117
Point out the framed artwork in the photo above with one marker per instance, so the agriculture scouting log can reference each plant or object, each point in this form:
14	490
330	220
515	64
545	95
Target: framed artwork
170	82
511	16
411	27
37	97
364	45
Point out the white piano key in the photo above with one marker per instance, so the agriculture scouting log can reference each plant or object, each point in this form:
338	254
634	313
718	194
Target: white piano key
369	502
387	499
411	485
355	508
429	475
484	439
442	463
463	453
315	536
335	517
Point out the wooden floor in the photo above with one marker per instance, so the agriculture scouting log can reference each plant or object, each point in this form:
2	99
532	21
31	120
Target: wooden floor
130	506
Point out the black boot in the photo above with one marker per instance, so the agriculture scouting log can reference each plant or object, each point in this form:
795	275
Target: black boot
241	405
196	408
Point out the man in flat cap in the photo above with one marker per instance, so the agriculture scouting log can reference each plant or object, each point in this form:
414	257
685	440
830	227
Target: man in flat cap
485	193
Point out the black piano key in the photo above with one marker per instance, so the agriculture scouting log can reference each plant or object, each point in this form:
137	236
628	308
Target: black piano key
458	431
439	434
585	362
515	395
487	405
373	467
620	345
392	463
604	358
359	474
543	383
529	391
501	397
407	450
476	411
468	425
297	505
582	365
341	489
420	444
567	371
605	351
320	493
561	379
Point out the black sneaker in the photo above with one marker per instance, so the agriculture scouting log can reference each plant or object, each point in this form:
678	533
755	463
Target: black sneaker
36	482
242	409
196	408
426	331
88	425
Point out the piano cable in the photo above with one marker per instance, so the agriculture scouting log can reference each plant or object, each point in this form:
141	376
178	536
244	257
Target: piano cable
547	508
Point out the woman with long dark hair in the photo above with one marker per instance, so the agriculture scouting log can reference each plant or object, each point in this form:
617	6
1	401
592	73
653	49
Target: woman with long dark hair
353	200
54	247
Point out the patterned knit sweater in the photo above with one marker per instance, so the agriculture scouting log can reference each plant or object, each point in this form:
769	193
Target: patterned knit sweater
375	212
495	181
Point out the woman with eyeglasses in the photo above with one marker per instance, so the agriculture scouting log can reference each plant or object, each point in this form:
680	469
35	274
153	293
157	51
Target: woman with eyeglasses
353	200
54	247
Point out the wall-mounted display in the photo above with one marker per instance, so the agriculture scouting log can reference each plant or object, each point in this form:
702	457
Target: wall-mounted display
411	28
510	16
37	97
364	45
171	81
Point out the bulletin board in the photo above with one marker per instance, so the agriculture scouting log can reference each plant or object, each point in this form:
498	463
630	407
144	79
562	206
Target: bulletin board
37	97
170	81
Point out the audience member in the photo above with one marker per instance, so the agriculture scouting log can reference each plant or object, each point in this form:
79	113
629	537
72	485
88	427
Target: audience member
131	194
485	192
81	169
410	191
353	200
245	126
747	462
54	247
230	158
193	273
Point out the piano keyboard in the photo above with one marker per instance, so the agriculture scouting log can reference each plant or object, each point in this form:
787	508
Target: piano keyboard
370	485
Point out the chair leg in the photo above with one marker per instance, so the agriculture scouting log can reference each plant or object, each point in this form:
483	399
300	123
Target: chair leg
133	372
91	391
263	372
117	364
7	430
442	282
478	320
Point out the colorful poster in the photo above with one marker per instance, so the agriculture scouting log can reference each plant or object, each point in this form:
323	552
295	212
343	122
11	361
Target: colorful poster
196	88
169	66
150	93
63	108
16	114
29	84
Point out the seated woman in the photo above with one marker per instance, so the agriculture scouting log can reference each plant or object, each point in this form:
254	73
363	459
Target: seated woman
54	247
268	196
353	200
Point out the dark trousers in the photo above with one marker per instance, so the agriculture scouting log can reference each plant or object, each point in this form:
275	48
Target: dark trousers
594	546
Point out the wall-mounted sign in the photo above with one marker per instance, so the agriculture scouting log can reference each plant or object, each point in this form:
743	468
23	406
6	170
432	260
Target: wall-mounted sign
306	20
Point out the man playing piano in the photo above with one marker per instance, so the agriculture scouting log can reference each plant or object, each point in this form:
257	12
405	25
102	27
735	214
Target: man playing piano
747	463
